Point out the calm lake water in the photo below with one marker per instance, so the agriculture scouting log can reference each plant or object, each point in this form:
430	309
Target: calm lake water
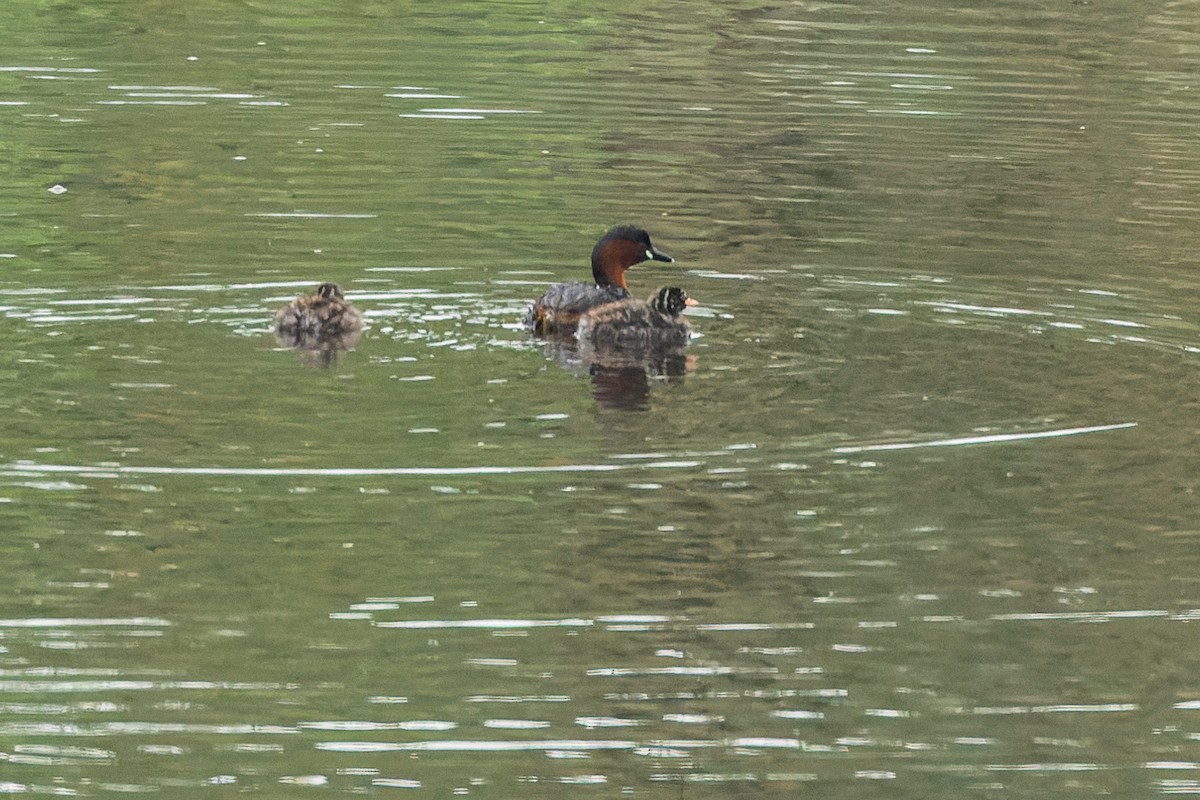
920	521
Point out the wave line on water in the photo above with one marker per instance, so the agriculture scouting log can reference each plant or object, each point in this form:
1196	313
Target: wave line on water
491	624
478	745
565	745
76	622
24	468
307	215
18	468
993	438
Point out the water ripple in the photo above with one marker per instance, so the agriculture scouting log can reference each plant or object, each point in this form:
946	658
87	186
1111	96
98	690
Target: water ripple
25	468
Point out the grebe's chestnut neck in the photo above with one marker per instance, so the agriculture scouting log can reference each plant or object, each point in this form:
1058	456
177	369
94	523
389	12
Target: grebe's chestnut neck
620	249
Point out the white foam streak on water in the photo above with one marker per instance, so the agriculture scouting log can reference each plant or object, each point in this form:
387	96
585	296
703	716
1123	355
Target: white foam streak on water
477	746
48	69
361	725
478	111
1083	616
979	309
102	301
487	623
65	622
307	215
137	728
137	87
611	623
43	687
987	439
44	318
442	116
221	287
1055	767
24	468
611	672
215	95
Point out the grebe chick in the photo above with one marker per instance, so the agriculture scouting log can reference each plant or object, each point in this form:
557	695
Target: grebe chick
324	313
558	310
635	325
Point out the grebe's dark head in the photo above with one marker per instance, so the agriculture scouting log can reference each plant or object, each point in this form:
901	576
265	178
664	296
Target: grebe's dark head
620	249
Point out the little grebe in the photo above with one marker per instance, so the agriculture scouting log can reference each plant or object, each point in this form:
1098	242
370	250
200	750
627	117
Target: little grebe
558	310
633	325
325	313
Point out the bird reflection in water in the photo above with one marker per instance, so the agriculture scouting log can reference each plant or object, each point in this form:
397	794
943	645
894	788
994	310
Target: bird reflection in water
621	379
625	345
318	350
624	382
